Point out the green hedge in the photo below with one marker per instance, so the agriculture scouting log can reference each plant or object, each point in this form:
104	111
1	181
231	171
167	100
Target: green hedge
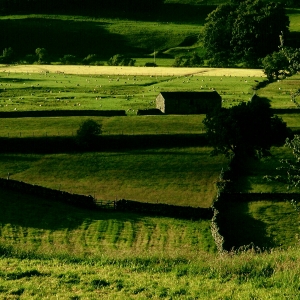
102	143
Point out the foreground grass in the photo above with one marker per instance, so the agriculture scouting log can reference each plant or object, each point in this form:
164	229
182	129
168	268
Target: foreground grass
180	176
245	276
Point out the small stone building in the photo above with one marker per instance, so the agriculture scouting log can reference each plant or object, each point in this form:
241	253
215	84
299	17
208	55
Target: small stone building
188	102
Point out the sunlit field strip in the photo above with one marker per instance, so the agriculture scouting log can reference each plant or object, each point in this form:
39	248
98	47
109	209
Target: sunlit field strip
116	70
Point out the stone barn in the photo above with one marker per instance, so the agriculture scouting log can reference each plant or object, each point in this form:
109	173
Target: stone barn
188	102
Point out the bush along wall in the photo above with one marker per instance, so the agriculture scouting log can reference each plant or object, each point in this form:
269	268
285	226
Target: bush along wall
47	193
215	221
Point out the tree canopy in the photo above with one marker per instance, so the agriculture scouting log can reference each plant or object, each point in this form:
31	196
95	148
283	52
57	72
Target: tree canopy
247	129
88	132
243	32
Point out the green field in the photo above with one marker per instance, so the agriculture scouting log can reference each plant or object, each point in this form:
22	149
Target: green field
67	126
182	176
52	250
50	91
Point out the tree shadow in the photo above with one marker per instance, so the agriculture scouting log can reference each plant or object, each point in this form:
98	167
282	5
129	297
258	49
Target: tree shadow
239	228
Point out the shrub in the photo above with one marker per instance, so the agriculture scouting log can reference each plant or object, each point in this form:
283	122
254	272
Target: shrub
90	59
69	59
150	64
120	60
87	133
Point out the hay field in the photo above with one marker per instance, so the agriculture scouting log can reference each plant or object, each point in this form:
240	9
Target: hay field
118	70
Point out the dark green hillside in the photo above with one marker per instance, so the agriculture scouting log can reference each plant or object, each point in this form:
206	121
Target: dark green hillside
81	36
59	37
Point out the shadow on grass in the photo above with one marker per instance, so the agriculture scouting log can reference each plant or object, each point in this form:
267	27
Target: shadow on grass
29	211
239	228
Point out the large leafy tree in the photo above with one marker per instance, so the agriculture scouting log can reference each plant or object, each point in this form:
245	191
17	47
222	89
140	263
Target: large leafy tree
243	32
247	129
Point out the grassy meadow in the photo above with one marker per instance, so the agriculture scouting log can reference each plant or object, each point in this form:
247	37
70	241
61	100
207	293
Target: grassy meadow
179	176
50	250
48	91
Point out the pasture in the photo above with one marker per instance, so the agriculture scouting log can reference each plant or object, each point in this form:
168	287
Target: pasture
176	176
109	88
180	176
79	254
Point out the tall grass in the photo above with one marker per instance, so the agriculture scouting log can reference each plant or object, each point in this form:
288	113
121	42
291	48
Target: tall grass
244	276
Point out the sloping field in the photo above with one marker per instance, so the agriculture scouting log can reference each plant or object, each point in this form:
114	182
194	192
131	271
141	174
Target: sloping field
117	70
49	228
176	176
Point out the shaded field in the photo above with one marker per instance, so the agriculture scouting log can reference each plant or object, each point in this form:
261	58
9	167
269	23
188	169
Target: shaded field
251	177
179	176
134	37
263	224
51	229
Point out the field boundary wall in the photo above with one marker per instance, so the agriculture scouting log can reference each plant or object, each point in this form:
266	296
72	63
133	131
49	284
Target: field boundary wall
89	202
62	113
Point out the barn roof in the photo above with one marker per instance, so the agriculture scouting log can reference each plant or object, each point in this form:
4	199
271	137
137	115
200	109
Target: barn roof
191	95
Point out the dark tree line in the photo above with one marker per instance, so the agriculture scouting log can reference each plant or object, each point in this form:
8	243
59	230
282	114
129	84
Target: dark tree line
95	6
244	32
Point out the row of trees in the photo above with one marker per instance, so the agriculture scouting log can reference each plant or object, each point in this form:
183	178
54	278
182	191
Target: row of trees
252	34
189	62
243	32
42	56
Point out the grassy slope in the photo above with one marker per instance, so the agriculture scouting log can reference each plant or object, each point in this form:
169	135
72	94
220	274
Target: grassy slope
264	276
102	36
77	253
175	176
51	229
